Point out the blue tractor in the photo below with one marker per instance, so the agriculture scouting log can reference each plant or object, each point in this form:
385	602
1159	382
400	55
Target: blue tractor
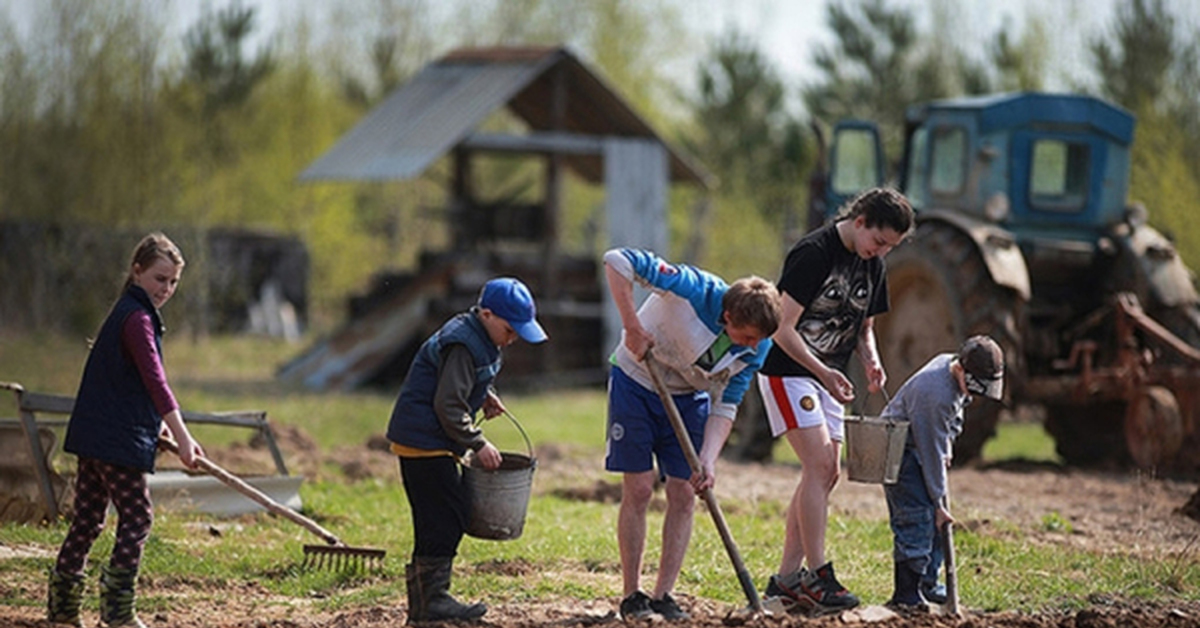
1024	233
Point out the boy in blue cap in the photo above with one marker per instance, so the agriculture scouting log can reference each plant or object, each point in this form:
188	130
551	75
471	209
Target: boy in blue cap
432	427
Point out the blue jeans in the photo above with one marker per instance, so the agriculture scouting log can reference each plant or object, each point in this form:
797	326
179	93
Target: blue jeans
916	540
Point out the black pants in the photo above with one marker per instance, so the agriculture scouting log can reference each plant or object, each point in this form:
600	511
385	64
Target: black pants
438	499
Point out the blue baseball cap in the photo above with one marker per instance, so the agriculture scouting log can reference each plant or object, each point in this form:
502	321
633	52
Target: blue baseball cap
509	299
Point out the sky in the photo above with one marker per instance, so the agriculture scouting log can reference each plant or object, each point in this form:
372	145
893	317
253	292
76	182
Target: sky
788	30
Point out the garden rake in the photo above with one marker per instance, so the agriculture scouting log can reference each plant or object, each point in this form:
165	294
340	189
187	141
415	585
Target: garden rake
335	556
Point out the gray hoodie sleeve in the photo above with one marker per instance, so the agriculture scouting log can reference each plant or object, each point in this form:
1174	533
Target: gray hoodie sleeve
456	378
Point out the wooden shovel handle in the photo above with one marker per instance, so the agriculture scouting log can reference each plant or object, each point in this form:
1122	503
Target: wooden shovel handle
951	568
689	451
211	468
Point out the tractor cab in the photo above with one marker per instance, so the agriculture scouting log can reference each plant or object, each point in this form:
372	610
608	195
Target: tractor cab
1024	233
1031	162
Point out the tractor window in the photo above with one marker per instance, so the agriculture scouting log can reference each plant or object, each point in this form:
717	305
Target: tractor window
1059	178
857	167
917	185
948	159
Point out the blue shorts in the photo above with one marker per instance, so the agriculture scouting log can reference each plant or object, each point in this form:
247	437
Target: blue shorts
639	430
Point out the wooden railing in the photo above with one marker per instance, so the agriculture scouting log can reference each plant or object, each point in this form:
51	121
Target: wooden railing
31	405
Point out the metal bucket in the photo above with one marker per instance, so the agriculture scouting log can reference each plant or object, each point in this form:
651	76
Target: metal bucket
874	448
499	498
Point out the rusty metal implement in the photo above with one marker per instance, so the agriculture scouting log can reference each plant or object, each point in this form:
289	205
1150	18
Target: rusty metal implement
739	567
334	556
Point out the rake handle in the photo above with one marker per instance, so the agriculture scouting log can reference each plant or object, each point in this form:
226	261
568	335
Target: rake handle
262	498
689	451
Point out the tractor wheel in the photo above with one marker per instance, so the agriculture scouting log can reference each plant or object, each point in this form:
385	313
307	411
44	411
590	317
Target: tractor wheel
1114	434
1153	428
1162	432
941	293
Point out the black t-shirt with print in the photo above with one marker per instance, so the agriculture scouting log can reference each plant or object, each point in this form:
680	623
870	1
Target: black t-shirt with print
839	291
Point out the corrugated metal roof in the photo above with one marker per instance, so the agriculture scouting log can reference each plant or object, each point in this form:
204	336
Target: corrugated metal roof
444	103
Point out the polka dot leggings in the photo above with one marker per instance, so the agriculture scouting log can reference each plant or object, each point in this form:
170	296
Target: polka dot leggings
98	484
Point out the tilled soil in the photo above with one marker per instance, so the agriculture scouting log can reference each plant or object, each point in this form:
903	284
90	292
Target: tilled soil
1107	512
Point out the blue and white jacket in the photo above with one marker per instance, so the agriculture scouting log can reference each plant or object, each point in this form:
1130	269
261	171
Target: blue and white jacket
684	314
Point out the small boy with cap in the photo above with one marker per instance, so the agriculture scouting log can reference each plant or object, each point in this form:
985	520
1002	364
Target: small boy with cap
432	427
932	401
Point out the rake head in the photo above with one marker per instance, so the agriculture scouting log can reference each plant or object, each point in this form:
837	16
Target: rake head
342	557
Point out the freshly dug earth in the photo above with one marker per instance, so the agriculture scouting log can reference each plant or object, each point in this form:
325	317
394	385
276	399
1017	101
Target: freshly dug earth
1118	512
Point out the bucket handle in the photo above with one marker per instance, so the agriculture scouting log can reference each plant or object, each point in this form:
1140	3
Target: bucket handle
528	445
886	400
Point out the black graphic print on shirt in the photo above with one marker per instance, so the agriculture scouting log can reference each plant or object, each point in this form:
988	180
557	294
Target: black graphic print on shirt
831	323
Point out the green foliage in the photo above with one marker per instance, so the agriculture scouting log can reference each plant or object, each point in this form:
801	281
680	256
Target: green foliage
744	131
215	58
1149	68
741	241
105	121
1135	67
1161	179
1021	63
866	73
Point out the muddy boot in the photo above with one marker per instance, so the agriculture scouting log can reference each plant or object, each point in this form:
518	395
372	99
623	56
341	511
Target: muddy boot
64	598
117	595
906	594
429	596
416	606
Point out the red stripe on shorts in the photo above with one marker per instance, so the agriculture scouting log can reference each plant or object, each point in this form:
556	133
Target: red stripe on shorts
782	402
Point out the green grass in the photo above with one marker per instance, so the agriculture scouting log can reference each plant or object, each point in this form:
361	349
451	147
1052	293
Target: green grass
568	549
1025	440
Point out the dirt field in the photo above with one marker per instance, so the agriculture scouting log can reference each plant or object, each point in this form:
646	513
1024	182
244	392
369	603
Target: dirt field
1107	513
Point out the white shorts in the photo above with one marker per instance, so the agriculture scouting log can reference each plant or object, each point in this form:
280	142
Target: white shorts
799	402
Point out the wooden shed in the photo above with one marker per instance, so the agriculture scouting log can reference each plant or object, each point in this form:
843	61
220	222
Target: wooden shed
574	122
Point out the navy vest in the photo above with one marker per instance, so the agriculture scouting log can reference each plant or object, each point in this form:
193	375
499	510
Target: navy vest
414	422
114	419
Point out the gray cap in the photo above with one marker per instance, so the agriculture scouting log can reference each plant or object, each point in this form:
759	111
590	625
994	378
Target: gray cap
983	362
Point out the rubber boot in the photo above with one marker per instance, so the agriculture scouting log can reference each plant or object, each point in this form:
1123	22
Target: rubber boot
118	591
416	604
930	589
64	598
429	579
907	588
